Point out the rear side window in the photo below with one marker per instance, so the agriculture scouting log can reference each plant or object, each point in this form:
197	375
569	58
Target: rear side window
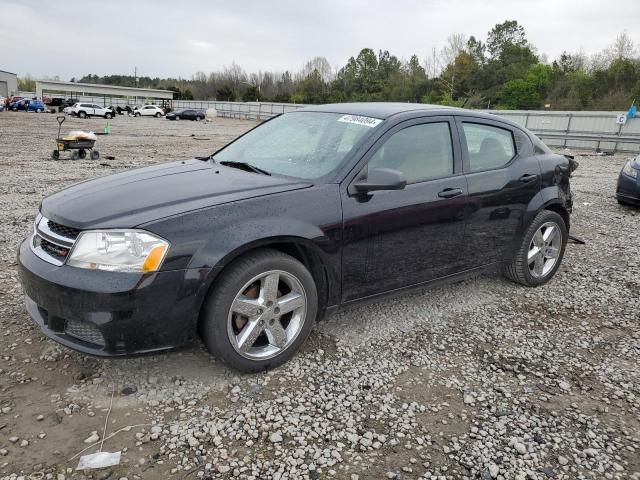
420	152
488	146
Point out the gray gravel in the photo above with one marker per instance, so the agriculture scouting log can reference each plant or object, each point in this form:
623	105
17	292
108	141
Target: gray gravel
482	379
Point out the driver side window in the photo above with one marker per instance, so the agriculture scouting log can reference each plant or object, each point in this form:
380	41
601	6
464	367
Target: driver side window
420	152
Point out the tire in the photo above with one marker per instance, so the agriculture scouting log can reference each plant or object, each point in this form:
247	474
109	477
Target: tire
177	117
55	155
220	326
82	114
530	273
107	116
198	118
94	155
82	154
39	110
137	115
74	155
157	115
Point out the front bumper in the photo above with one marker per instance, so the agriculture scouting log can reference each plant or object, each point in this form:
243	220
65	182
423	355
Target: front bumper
111	313
628	189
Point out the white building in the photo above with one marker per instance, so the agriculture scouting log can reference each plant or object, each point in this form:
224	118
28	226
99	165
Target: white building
8	84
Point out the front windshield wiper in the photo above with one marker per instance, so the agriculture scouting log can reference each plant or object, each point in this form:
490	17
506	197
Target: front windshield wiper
244	166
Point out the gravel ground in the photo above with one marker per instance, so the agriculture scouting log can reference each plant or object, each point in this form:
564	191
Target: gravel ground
482	379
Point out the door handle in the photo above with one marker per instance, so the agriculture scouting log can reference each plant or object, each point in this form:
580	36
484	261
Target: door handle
450	192
528	178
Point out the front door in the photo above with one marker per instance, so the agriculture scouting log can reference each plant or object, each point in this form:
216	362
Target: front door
394	239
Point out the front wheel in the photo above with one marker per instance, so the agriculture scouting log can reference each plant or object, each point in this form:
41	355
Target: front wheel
95	155
82	114
540	254
198	118
259	311
158	115
39	110
107	116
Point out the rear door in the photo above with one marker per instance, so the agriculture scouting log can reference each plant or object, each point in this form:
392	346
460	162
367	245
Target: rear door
503	176
394	239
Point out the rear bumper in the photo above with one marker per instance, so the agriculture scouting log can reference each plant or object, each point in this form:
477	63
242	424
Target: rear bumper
110	313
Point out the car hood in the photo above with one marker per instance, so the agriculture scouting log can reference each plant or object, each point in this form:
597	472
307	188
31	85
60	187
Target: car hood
129	199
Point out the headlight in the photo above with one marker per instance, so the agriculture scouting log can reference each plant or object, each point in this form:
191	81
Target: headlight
629	170
118	251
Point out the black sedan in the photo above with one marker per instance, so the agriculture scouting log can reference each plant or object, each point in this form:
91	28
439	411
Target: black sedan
628	191
306	213
187	114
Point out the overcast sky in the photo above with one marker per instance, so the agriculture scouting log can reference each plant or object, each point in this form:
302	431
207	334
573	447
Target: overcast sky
177	38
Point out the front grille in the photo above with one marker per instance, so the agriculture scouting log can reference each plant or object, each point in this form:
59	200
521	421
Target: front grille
84	331
63	231
51	241
56	251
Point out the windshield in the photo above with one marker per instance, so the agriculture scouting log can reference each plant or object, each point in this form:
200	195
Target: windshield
305	145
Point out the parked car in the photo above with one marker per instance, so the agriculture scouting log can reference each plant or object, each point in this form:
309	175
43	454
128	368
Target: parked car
69	110
313	210
36	106
83	110
186	114
628	191
148	111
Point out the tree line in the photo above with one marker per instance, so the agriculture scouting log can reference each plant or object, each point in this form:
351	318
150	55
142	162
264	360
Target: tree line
503	71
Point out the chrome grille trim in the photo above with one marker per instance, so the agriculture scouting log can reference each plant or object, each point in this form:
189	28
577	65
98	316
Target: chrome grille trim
42	231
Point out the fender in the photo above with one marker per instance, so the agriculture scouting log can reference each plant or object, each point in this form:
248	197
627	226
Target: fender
232	242
207	240
545	198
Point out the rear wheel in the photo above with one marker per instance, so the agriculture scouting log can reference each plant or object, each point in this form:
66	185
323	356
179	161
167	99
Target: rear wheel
540	254
198	118
177	117
39	110
260	311
95	155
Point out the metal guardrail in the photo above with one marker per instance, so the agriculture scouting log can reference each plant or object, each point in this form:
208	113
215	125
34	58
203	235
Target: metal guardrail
599	139
578	129
612	140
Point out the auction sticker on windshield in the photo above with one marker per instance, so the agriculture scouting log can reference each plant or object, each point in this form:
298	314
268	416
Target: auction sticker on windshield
360	120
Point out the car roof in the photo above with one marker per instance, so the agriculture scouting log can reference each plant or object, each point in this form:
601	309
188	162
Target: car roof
384	110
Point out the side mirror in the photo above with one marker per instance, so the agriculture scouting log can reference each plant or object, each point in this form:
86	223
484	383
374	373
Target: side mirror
381	179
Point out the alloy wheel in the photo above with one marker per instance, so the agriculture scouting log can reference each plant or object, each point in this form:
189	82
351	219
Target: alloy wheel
544	249
267	315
